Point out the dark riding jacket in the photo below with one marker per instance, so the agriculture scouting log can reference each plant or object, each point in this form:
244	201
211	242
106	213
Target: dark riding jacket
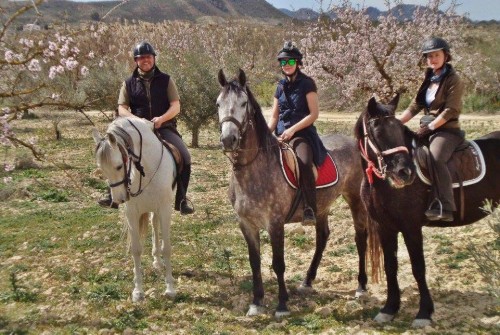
293	107
150	103
448	100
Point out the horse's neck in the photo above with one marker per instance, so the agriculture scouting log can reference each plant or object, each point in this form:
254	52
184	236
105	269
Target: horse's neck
253	158
149	148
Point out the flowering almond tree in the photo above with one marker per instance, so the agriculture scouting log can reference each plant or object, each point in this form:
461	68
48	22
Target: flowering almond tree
353	57
44	68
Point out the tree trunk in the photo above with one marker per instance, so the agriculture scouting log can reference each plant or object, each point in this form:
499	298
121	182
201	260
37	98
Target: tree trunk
195	134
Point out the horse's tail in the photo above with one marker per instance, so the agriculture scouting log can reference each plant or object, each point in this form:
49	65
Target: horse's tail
374	250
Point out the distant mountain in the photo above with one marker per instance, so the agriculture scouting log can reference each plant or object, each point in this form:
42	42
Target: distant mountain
150	10
305	14
402	12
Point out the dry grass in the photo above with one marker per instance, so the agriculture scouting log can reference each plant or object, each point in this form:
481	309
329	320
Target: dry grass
64	268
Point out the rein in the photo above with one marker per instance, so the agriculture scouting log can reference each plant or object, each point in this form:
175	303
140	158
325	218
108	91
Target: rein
131	157
380	172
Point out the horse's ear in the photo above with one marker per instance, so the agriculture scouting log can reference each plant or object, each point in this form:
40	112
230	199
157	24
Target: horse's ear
242	78
394	102
222	78
372	106
96	135
112	139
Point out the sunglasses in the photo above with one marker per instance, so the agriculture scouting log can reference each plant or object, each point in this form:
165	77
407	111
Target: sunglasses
290	62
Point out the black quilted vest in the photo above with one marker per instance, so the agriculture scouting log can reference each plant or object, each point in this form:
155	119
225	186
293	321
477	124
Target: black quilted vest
150	105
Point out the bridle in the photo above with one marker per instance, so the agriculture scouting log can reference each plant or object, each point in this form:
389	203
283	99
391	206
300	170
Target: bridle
129	157
381	171
242	129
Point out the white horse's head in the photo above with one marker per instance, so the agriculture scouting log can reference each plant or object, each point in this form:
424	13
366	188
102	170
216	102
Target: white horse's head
112	161
232	105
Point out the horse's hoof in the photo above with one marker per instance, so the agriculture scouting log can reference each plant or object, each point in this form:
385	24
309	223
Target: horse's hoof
137	296
254	310
157	265
383	318
421	323
169	293
305	289
360	293
281	314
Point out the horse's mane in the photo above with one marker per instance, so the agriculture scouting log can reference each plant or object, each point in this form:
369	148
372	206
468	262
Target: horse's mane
382	110
103	149
265	138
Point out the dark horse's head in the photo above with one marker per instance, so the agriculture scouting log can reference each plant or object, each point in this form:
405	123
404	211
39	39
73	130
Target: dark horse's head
239	111
385	144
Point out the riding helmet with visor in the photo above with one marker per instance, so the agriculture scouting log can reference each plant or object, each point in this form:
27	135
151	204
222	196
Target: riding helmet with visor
435	44
143	48
290	51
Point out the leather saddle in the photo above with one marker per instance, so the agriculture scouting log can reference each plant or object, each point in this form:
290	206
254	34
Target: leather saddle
179	163
466	165
326	175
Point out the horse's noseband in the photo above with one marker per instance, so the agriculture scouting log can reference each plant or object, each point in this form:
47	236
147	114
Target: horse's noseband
381	172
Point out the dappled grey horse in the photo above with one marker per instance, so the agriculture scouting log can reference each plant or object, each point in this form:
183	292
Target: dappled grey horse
262	198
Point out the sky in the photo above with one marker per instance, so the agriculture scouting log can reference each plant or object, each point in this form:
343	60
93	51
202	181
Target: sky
477	9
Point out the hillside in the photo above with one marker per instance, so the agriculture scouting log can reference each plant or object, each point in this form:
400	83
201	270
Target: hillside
149	10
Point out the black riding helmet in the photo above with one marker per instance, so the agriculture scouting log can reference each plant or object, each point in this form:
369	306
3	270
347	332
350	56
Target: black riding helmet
143	48
290	51
435	44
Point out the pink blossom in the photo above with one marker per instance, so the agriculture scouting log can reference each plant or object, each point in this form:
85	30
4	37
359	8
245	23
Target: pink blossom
7	180
9	56
34	66
84	71
9	167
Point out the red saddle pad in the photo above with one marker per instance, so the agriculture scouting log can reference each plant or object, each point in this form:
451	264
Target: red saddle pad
327	173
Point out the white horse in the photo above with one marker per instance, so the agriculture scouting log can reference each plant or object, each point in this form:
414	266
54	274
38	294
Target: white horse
141	174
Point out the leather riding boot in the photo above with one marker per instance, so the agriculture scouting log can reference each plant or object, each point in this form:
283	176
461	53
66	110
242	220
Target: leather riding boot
308	186
181	202
106	201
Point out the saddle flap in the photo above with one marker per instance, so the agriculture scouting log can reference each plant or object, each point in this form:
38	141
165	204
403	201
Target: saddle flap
466	165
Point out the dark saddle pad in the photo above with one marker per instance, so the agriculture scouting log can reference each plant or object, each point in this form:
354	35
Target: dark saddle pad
466	165
326	174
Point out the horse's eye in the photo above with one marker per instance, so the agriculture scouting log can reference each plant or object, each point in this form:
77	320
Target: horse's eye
217	105
118	168
244	104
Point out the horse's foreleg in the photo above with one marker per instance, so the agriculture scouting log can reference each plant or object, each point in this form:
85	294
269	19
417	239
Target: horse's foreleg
277	235
155	239
414	243
389	241
166	250
252	238
136	250
322	233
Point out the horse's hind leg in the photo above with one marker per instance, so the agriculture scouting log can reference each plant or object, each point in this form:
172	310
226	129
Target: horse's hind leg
163	218
252	237
414	244
322	234
156	246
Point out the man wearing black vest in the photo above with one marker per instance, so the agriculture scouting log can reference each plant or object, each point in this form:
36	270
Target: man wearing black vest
152	95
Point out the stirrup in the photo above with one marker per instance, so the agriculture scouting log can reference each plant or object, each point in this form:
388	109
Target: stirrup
309	219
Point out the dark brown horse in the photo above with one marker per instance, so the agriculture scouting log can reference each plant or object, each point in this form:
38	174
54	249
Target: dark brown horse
262	198
397	200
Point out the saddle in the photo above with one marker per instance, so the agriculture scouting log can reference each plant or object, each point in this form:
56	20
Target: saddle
326	175
179	163
466	165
